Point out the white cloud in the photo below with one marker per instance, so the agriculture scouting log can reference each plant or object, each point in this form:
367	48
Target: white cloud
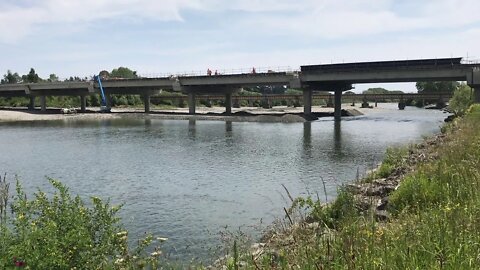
343	19
246	34
330	19
18	21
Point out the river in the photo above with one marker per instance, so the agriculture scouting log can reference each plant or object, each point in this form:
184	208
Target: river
188	180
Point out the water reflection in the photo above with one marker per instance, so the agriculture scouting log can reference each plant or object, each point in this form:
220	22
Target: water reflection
337	137
192	129
228	129
148	123
307	139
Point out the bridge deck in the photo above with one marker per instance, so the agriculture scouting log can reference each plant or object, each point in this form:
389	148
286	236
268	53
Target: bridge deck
382	65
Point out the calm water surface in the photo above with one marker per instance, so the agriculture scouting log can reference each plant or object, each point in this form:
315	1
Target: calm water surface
186	180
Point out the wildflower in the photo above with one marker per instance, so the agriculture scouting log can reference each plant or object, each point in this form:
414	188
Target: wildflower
122	233
18	263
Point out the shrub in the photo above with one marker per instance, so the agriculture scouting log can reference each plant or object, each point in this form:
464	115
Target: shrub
461	100
62	232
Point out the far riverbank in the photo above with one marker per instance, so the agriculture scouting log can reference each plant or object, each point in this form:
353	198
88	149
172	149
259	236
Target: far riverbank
246	114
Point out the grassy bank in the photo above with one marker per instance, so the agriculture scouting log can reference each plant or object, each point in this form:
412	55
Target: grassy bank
433	215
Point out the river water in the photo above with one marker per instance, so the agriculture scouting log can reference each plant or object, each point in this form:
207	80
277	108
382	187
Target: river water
188	180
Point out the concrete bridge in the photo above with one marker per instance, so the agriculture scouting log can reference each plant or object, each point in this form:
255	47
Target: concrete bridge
335	78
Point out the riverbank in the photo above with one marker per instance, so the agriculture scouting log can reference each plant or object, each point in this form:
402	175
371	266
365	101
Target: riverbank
247	114
418	210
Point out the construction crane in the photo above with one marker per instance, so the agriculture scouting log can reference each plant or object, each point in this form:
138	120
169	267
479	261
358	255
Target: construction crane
103	103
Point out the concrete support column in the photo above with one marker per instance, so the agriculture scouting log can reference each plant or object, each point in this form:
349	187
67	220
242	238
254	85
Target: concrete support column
228	103
307	101
83	104
191	103
146	102
31	105
338	105
43	103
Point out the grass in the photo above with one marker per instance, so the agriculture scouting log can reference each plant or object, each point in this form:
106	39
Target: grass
435	222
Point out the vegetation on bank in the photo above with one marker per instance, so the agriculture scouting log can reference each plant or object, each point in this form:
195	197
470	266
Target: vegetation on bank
59	231
434	216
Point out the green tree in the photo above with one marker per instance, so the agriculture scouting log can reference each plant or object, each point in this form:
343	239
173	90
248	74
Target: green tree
31	77
104	74
444	87
123	72
11	78
461	100
53	78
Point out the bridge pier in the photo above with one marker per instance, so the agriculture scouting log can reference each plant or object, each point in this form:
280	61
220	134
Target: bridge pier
228	103
338	105
191	103
83	103
307	101
31	104
146	102
43	103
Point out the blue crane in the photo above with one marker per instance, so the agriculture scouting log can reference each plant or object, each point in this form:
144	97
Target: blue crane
103	102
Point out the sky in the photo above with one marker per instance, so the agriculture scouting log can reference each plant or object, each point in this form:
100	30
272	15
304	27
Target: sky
83	37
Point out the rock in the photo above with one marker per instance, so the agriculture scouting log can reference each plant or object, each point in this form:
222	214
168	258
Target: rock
68	111
353	112
362	203
354	188
382	203
313	225
380	181
381	215
449	118
380	191
257	249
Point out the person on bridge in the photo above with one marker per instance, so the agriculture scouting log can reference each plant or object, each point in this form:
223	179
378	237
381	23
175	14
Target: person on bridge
209	72
254	71
216	72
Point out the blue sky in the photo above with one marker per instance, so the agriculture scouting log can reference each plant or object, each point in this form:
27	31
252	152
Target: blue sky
83	37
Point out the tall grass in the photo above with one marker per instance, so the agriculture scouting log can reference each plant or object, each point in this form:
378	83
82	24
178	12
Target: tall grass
435	221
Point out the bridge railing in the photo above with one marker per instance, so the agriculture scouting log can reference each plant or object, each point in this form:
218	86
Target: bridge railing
194	73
